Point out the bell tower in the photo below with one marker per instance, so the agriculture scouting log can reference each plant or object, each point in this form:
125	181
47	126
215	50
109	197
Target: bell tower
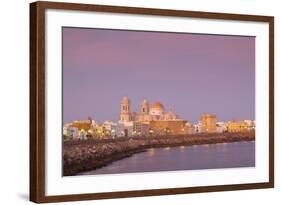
125	110
144	107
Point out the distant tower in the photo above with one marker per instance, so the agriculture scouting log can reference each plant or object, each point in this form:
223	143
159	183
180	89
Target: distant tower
144	107
208	123
125	110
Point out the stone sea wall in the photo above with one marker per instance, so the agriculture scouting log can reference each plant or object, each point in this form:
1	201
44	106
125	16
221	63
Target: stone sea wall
86	155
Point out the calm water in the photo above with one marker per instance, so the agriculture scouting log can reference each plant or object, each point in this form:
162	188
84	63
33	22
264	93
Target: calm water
223	155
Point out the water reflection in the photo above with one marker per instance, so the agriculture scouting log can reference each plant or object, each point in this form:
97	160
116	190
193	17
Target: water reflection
151	152
223	155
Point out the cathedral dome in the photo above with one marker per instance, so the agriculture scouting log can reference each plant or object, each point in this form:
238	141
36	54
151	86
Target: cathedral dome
156	109
157	105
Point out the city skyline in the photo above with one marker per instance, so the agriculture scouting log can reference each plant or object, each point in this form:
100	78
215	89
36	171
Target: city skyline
192	73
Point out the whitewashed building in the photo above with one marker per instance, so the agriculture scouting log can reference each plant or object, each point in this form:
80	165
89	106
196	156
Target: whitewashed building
125	129
71	132
221	127
198	127
110	128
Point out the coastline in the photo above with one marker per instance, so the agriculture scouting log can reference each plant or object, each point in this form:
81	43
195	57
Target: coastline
85	155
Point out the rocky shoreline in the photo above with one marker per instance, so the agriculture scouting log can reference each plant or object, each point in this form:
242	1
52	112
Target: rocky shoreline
86	155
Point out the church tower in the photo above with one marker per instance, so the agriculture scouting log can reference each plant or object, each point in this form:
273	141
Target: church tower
125	110
144	107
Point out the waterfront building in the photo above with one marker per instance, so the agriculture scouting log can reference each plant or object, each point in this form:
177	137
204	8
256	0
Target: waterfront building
70	132
251	124
221	127
82	134
109	128
208	123
99	131
190	129
197	127
80	129
165	127
140	129
240	126
82	124
125	129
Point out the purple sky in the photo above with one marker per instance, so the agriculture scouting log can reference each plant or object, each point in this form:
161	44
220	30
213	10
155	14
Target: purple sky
191	73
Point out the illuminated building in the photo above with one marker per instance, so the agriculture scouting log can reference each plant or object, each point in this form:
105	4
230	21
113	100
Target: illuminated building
221	127
125	107
150	118
125	129
165	127
70	132
208	123
240	126
80	129
109	128
190	129
140	129
99	131
82	125
147	112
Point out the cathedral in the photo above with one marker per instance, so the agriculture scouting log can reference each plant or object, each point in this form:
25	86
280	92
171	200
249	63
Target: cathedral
147	113
149	120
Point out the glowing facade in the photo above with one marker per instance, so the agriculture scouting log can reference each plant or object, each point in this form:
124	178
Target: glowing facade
151	119
208	123
240	126
147	112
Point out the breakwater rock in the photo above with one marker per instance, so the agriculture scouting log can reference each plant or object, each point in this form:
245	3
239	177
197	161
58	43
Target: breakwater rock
86	155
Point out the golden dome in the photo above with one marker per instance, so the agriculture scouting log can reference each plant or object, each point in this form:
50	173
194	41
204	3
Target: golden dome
157	105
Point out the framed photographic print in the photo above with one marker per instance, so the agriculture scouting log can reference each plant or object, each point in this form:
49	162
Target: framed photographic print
128	102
